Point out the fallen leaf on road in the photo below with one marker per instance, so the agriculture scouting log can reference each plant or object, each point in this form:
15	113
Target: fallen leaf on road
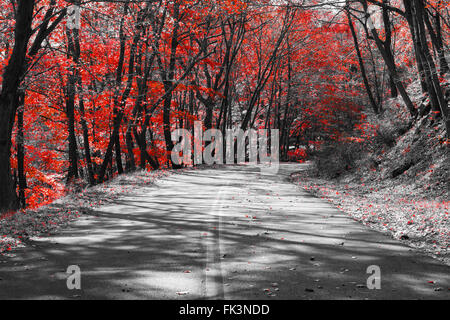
182	293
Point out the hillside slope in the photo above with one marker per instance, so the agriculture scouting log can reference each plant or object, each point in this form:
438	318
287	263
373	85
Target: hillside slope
401	185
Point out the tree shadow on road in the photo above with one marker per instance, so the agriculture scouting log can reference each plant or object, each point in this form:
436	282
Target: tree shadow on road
154	246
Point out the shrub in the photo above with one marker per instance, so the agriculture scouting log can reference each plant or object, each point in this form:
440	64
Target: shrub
386	136
332	160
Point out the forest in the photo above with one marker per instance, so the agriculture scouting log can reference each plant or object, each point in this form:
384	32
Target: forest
350	99
92	89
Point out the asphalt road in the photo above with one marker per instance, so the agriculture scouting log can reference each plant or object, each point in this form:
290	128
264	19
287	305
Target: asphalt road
229	233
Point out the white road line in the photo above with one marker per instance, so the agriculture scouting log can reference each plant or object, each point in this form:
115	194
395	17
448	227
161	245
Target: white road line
214	286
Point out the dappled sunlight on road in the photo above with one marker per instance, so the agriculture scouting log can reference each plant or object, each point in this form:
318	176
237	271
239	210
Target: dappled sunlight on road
220	233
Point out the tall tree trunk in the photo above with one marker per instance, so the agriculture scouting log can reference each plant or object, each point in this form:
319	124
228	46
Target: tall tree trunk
443	104
389	63
87	148
119	106
75	35
440	44
70	112
118	154
130	161
388	46
378	88
436	39
12	77
362	68
417	52
421	48
20	141
169	77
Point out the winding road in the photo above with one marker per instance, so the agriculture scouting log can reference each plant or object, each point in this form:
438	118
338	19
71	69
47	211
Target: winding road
224	233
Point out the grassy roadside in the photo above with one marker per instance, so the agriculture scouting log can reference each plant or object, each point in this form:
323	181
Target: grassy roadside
415	219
